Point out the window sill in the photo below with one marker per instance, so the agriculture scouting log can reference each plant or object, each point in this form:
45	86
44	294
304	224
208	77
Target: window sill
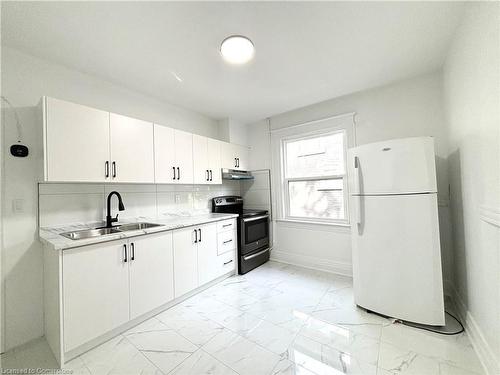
344	227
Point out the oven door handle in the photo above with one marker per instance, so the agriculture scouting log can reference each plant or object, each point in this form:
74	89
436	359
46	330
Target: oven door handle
255	218
256	255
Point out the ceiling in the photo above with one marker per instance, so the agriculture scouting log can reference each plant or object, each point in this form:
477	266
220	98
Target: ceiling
306	52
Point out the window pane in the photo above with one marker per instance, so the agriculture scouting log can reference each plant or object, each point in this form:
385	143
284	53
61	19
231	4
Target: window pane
313	157
320	199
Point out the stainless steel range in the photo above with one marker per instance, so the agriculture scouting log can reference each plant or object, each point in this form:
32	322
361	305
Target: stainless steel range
253	232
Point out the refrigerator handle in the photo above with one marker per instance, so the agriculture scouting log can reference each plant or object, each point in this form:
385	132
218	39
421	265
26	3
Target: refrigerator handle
357	176
358	209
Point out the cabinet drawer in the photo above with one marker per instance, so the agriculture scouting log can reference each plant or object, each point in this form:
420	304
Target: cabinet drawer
226	242
226	225
225	263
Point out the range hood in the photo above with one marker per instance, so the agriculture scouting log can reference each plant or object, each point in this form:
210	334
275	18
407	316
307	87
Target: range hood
233	174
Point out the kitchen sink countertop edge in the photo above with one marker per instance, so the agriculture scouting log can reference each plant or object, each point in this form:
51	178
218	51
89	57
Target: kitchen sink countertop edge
51	236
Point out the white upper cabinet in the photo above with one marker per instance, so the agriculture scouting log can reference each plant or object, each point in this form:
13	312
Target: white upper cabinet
234	156
200	160
76	142
83	144
173	155
132	155
206	160
214	161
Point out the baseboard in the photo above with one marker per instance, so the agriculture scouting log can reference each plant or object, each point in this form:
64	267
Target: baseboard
320	264
483	349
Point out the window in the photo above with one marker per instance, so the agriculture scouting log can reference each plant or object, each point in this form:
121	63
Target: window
314	177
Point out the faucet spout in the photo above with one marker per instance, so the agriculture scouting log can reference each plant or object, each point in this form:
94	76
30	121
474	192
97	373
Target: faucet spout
110	220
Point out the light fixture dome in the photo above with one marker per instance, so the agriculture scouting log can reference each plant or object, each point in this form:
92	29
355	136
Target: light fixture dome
237	49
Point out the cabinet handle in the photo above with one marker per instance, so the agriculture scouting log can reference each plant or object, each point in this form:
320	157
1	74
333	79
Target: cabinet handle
113	167
106	169
125	253
229	261
173	168
178	173
132	255
226	225
210	175
195	236
235	162
238	159
231	240
200	235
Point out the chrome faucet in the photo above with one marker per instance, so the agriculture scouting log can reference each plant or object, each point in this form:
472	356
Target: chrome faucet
110	220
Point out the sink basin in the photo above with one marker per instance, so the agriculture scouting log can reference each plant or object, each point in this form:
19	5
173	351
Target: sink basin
89	233
97	232
137	226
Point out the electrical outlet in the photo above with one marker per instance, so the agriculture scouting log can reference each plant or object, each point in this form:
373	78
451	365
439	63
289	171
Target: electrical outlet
18	206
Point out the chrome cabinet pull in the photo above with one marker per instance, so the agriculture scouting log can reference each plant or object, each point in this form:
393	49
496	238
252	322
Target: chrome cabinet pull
231	240
226	225
200	235
173	168
113	168
106	169
210	175
178	173
132	255
195	236
125	253
229	261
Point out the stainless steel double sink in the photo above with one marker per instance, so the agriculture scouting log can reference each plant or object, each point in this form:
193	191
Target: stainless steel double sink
102	231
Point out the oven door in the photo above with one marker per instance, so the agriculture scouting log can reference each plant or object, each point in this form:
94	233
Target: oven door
254	233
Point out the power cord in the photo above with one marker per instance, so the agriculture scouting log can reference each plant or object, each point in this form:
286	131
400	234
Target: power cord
430	329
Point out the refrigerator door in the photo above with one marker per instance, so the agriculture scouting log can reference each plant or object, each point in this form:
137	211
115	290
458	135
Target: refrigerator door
397	257
398	166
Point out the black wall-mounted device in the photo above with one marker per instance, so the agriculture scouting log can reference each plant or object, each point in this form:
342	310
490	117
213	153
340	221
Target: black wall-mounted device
20	151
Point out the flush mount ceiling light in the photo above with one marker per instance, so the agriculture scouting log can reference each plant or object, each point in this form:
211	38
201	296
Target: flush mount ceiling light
237	49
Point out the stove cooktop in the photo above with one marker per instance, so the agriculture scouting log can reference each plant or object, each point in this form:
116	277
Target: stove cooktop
249	212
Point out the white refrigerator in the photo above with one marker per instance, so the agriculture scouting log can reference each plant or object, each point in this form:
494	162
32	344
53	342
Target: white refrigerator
395	230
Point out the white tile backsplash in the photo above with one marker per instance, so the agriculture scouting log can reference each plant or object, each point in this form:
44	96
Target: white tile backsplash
72	203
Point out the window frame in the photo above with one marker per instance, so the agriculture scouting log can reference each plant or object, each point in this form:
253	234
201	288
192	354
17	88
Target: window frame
285	201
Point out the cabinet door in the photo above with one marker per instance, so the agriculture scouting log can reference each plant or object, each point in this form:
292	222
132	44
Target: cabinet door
242	156
76	142
184	157
151	273
95	291
185	261
131	149
228	155
164	150
214	160
207	253
200	159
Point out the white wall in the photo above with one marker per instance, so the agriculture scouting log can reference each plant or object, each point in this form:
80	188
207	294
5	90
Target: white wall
408	108
24	80
472	102
233	131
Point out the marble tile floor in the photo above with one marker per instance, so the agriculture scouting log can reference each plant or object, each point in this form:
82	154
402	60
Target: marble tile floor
277	319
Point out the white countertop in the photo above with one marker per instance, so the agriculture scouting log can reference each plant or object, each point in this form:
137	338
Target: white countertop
51	236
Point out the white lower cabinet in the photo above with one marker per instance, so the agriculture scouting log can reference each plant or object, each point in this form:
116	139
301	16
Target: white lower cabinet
207	253
185	261
151	268
95	291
